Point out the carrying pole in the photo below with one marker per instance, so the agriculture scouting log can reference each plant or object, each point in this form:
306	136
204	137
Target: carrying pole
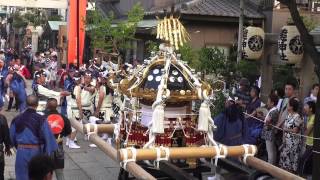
131	167
100	128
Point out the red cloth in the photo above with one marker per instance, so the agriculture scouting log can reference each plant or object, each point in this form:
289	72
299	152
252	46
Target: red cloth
25	72
63	74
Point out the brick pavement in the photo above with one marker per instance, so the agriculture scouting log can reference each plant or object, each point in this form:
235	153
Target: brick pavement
80	164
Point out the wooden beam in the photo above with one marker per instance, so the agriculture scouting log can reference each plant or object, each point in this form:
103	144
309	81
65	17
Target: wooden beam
132	167
183	152
272	38
101	128
271	169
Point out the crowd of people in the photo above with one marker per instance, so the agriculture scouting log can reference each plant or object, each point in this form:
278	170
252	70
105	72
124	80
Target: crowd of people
283	125
83	94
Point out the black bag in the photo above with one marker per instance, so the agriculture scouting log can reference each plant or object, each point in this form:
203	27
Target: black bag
58	157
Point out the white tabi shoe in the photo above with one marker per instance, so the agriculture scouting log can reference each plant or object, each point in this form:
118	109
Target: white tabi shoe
73	145
109	141
92	145
105	136
67	141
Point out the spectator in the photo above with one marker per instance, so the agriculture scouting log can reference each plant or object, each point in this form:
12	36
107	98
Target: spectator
3	43
60	127
291	145
283	112
229	124
252	126
62	74
268	131
53	71
41	168
313	95
280	93
289	94
243	94
306	159
4	139
31	135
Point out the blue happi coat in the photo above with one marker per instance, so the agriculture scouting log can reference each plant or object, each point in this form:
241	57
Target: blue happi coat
229	132
30	128
68	85
3	75
18	87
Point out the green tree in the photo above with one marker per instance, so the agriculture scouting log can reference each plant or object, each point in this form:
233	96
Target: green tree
212	60
308	22
249	69
190	55
111	35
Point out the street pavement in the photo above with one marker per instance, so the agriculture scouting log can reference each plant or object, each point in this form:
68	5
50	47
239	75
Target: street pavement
80	164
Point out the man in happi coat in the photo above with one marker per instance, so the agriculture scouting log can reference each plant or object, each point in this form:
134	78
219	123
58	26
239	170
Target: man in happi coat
31	135
43	93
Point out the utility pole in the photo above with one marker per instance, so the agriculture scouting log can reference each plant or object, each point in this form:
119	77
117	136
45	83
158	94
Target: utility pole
240	33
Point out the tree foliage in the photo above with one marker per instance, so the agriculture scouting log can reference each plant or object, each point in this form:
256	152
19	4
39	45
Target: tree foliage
212	60
111	35
308	22
189	55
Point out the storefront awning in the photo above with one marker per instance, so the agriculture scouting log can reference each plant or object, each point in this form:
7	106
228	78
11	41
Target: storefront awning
54	25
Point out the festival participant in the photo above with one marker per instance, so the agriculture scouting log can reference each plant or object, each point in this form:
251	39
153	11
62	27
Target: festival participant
60	127
17	83
252	126
291	145
31	135
268	131
43	93
84	96
305	165
103	102
243	93
313	94
68	85
4	139
22	69
10	92
229	124
72	109
3	75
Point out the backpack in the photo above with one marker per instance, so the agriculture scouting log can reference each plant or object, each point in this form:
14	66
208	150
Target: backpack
56	123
